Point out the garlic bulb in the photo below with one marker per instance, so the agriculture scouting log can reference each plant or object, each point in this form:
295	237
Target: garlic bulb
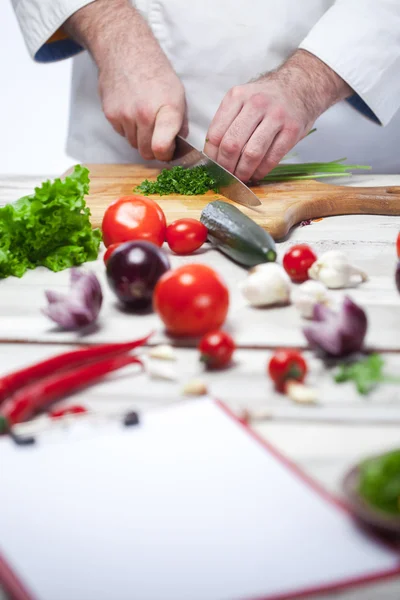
266	284
305	296
334	270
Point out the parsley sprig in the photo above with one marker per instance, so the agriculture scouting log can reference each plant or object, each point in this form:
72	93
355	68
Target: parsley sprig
365	373
189	182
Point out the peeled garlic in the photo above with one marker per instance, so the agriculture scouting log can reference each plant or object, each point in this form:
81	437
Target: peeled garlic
305	296
195	387
266	284
334	270
300	393
156	370
162	352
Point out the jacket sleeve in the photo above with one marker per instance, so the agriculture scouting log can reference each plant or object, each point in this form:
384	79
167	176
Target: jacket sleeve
41	24
360	41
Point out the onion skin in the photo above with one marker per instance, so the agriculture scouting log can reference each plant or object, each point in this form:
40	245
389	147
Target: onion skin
337	333
133	271
78	308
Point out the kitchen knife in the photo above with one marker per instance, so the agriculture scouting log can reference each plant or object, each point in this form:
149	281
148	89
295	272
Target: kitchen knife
231	187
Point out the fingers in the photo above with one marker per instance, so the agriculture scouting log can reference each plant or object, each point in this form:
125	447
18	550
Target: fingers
145	120
240	132
256	148
130	132
227	112
153	134
184	132
281	145
168	124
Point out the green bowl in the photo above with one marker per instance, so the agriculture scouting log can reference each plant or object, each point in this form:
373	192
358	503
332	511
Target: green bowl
365	512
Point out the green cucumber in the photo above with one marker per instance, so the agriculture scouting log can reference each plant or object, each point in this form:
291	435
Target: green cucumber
236	235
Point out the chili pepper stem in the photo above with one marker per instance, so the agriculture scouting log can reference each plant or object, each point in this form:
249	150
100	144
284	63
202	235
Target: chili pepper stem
4	424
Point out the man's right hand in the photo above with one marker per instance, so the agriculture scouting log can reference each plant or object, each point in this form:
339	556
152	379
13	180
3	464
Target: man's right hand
142	96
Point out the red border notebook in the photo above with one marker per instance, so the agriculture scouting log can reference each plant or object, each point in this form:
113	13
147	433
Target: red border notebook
190	505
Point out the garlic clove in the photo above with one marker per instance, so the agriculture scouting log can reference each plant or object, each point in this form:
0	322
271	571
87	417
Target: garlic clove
162	352
155	370
300	393
195	387
259	415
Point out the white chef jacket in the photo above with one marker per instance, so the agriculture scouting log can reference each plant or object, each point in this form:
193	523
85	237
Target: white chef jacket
214	45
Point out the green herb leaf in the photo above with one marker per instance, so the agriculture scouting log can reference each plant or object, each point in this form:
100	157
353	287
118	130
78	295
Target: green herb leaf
365	373
189	182
50	228
380	482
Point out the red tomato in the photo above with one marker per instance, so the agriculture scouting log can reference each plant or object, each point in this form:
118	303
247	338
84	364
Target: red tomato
186	235
398	245
297	261
109	251
133	218
286	365
191	300
216	349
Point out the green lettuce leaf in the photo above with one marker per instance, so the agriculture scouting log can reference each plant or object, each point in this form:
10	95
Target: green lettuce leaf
50	228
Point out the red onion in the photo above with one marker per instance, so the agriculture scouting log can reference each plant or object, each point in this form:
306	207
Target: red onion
397	276
133	271
81	306
337	333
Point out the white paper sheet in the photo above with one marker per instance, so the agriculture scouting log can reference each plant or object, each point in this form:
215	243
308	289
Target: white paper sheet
187	506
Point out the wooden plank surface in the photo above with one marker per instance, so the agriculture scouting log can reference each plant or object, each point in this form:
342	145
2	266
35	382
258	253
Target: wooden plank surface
368	240
323	440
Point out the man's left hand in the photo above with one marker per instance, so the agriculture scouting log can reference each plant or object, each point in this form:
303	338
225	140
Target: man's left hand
258	123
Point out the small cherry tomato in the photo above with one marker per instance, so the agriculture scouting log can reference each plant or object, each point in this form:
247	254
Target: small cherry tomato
191	300
286	365
109	251
216	349
133	218
185	236
297	261
398	245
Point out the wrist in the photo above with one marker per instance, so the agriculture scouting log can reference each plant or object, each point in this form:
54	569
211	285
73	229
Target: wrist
319	86
109	28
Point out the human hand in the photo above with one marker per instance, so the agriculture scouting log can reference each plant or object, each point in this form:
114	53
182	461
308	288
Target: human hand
141	95
258	123
145	105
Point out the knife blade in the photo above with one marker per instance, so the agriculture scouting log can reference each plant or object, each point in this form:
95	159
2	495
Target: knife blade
231	187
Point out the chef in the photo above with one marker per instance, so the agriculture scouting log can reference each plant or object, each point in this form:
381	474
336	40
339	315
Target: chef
244	79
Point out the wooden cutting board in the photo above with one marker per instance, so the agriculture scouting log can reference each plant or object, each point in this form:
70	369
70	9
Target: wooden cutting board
283	204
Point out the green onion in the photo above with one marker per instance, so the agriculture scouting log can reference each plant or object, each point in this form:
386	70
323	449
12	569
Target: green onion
312	170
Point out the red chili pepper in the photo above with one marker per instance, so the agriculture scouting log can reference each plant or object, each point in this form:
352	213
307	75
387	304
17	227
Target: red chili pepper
39	395
76	409
12	382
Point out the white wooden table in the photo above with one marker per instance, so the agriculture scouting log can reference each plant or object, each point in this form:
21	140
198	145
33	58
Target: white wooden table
323	440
